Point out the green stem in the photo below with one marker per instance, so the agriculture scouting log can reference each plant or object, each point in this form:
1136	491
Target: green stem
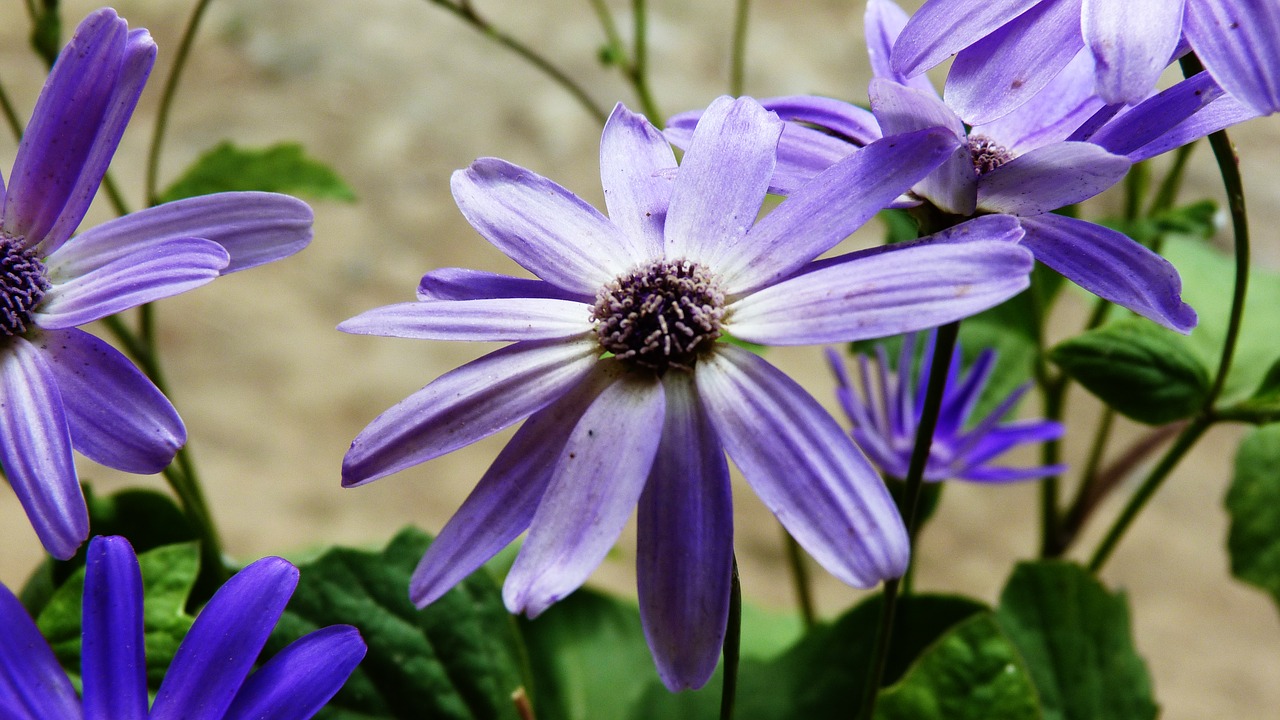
944	348
1167	193
468	14
639	73
800	577
10	115
166	100
738	54
732	645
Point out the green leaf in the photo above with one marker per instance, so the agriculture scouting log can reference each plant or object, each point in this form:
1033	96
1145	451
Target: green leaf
280	168
972	672
168	574
1142	370
1253	502
823	675
1263	407
1075	638
46	29
461	657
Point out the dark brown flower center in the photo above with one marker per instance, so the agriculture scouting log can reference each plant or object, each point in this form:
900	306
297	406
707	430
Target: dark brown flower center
661	315
987	154
23	283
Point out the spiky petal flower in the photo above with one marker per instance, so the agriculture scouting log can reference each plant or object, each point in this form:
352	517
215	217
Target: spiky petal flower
207	678
631	395
62	388
1010	49
886	405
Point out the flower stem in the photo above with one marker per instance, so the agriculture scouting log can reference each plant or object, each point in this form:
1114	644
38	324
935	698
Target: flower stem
10	114
634	65
738	55
1167	193
732	645
800	577
166	101
468	14
944	348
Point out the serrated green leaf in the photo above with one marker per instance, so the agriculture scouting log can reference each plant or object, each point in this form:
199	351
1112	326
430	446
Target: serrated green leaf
1142	370
168	574
973	672
459	658
1253	502
1075	638
280	168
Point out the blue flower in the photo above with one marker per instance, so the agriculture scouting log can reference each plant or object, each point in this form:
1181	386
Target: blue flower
631	394
885	409
207	678
60	387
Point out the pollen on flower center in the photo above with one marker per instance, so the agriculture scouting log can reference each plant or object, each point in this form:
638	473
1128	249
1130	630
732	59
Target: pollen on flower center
660	315
987	154
23	283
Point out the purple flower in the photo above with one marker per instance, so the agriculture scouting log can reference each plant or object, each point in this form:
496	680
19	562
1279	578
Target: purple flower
1010	49
207	679
885	411
630	398
61	388
1062	147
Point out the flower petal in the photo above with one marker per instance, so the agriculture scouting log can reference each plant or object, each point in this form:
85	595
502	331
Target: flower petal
466	404
112	659
1239	43
1217	115
722	181
1050	177
219	651
900	109
684	559
502	504
1132	43
819	215
33	686
75	128
1112	266
637	169
941	28
1006	68
300	679
35	449
594	488
882	24
887	293
467	284
116	415
500	319
1052	114
546	229
1158	114
92	282
808	474
254	227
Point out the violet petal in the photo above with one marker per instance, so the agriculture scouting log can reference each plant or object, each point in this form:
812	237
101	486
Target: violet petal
1050	177
112	659
1131	43
299	680
636	170
498	319
468	284
952	186
941	28
1052	114
1239	43
33	686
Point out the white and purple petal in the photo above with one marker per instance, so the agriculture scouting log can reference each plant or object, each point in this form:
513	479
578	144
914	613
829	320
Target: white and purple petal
887	293
594	488
112	657
808	474
545	228
1052	114
466	404
35	449
116	415
1157	115
467	284
299	680
1131	42
1112	266
1239	43
637	171
218	652
500	319
952	186
941	28
882	24
1049	178
684	558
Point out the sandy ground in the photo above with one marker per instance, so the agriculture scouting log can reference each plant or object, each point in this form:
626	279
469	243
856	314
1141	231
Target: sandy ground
396	94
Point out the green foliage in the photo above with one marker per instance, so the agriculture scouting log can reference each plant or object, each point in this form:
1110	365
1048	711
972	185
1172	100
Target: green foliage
1142	370
168	574
46	29
1075	638
1253	502
280	168
1263	407
461	657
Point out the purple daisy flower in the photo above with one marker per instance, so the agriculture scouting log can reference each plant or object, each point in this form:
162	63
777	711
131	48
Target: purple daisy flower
629	397
207	679
886	406
62	388
1010	49
1062	147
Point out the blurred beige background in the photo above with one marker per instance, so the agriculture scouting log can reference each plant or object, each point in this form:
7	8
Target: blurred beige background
395	95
